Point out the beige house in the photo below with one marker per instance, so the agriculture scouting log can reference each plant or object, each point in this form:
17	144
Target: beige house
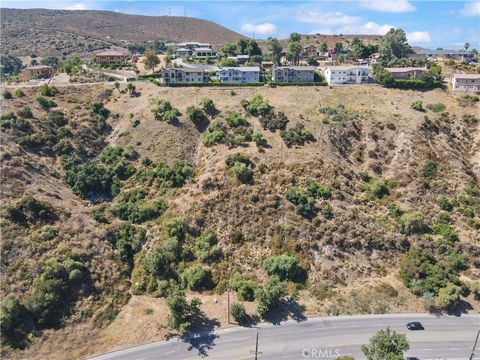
111	57
36	72
293	74
406	72
466	83
346	74
183	75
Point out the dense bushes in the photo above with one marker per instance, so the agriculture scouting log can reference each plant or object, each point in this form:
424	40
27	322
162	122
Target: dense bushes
29	210
214	134
208	107
134	207
242	167
130	240
256	105
196	115
15	322
182	311
269	295
238	312
286	267
49	91
45	103
206	248
235	120
429	169
304	199
417	105
157	264
197	277
274	121
297	135
164	176
164	111
244	287
378	188
429	79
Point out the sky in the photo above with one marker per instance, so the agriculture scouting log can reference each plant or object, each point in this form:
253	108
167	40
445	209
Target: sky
428	23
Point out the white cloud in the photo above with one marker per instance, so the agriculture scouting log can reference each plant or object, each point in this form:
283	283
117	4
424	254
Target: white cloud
323	31
398	6
415	37
77	6
471	8
368	28
326	18
260	29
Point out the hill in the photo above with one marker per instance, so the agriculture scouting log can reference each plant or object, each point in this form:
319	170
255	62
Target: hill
100	191
66	32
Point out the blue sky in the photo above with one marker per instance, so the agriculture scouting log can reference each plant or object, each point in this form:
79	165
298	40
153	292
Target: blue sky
429	24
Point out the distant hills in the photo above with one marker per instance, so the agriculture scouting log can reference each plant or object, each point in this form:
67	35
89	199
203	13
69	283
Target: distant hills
66	32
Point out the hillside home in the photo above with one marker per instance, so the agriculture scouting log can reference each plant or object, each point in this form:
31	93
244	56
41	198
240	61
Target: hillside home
36	72
310	51
183	75
466	83
232	75
111	57
406	72
293	74
346	74
203	52
192	45
443	54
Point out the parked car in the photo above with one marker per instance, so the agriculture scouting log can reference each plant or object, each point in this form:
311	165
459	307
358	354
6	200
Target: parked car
415	325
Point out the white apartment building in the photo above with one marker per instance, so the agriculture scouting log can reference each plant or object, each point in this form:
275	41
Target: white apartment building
466	83
232	75
293	74
346	74
183	75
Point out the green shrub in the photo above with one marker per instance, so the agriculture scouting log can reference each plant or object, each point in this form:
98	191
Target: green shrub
475	289
96	107
7	94
25	112
378	188
130	240
135	208
214	134
436	107
235	120
303	201
274	121
445	204
395	211
259	140
49	91
445	230
238	312
163	176
63	147
197	277
417	105
297	135
244	287
411	223
19	93
241	166
319	191
15	322
196	115
429	169
206	248
45	104
269	295
256	105
29	210
448	296
164	111
285	267
157	264
208	107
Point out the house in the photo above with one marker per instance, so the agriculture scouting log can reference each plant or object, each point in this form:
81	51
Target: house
36	72
232	75
310	51
242	59
293	74
346	74
406	72
267	64
183	75
466	83
203	52
192	45
443	54
135	58
111	57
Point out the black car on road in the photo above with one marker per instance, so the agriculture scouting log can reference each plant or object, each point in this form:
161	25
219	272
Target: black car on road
415	325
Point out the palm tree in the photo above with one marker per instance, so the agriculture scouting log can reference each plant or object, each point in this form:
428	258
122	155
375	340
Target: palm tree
466	46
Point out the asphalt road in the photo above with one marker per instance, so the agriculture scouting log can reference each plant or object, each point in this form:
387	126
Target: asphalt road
445	337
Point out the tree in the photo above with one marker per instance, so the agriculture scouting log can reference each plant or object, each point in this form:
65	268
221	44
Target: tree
294	37
312	61
10	65
338	48
238	312
71	65
269	295
228	63
466	46
242	46
15	321
208	106
275	50
197	277
286	267
181	310
253	48
131	88
324	47
151	60
386	345
394	45
294	51
230	48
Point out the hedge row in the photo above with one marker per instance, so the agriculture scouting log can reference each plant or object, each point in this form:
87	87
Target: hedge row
298	84
213	84
413	84
149	76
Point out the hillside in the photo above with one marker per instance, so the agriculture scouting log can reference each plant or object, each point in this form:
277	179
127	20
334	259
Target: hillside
331	40
105	190
64	32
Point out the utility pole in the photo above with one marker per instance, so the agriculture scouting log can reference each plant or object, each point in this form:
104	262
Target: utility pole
475	345
256	352
228	303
